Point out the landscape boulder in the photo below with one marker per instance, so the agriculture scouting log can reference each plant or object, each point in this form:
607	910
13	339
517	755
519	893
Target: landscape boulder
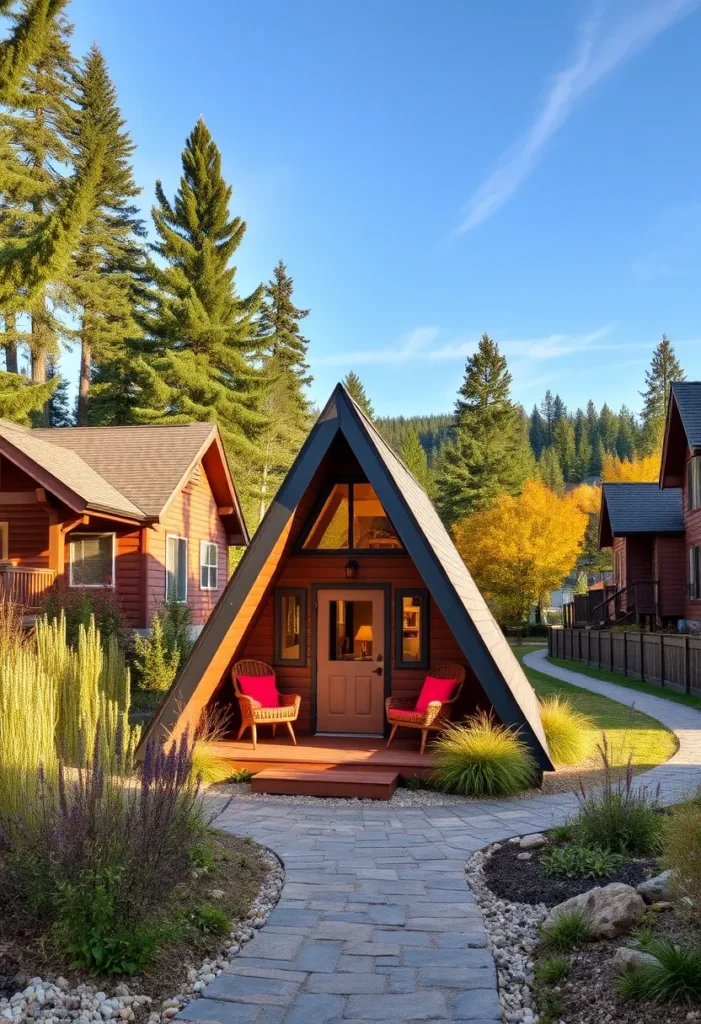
626	960
609	911
534	841
661	887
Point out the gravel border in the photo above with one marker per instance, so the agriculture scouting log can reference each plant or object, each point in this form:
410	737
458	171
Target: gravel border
57	1003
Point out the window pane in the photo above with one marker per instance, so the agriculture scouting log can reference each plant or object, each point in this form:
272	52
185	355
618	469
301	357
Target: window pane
290	628
371	528
176	569
350	631
412	626
182	569
91	561
330	531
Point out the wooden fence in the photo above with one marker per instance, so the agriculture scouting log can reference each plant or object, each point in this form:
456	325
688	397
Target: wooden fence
665	659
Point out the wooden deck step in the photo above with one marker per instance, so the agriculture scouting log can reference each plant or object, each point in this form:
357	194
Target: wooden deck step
364	784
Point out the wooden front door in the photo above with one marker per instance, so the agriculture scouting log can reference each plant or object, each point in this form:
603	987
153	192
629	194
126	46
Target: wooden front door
351	661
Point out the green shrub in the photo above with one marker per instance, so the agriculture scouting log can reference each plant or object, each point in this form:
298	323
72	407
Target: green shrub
482	758
570	929
209	920
553	969
176	617
619	816
562	833
676	979
566	729
681	852
79	606
155	665
580	862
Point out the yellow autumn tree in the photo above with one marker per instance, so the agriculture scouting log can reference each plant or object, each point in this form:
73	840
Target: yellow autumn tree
631	471
521	548
586	497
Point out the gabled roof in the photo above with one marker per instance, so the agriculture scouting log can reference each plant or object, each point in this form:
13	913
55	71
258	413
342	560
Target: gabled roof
426	541
130	471
682	430
639	508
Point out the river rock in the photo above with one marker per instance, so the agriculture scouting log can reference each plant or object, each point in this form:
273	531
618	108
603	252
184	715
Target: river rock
626	959
661	887
610	911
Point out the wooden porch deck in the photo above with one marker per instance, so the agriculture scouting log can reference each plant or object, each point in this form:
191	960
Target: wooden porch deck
321	753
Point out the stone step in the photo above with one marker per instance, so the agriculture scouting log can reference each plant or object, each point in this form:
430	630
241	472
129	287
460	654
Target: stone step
361	783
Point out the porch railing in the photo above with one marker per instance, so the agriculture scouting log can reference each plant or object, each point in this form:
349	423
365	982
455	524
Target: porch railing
25	586
617	607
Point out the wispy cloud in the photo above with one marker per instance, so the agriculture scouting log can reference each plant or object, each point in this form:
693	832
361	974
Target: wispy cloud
602	45
423	345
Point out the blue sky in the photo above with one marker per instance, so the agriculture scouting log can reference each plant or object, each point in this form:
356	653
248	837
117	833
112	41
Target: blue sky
431	171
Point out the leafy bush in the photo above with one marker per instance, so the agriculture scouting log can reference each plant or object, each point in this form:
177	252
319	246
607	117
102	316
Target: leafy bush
155	665
176	617
682	852
78	606
482	758
675	979
553	969
618	816
570	929
580	862
565	729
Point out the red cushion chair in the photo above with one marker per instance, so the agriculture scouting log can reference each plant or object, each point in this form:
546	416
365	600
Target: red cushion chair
260	701
434	706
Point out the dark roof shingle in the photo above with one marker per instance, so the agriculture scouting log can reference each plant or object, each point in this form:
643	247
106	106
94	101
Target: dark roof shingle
688	397
644	508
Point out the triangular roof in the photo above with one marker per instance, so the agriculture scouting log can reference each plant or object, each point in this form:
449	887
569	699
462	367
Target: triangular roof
131	471
682	430
638	508
427	543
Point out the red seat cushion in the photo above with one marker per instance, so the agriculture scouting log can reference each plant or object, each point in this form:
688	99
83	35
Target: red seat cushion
435	689
261	689
398	713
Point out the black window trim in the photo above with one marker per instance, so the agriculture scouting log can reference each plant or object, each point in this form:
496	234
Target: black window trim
693	559
300	549
424	654
693	470
301	594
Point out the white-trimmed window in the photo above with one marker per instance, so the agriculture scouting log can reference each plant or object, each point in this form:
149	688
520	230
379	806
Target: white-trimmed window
91	560
176	568
209	565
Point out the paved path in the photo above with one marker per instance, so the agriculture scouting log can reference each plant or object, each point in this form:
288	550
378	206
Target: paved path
375	922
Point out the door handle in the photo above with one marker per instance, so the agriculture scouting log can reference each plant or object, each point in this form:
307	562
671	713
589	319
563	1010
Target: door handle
377	671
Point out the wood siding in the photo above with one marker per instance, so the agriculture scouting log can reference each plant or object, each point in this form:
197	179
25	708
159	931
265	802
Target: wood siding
192	514
692	524
670	569
28	524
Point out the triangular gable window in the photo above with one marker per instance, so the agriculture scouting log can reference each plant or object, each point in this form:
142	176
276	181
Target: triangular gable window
352	519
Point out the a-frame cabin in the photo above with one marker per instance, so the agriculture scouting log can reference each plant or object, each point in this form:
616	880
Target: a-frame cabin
352	590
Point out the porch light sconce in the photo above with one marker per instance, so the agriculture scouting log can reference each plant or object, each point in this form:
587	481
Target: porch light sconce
351	568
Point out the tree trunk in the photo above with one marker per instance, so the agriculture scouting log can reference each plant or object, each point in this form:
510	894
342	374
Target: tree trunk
11	363
84	386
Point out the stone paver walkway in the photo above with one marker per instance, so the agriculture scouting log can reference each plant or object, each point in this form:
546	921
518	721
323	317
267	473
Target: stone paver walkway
375	922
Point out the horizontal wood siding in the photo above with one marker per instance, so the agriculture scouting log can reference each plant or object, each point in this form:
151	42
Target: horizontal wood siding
192	514
670	572
692	524
27	534
638	556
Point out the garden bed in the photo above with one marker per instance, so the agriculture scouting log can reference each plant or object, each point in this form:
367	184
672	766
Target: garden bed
217	911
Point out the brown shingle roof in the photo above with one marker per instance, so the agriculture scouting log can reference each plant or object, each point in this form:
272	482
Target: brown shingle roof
145	463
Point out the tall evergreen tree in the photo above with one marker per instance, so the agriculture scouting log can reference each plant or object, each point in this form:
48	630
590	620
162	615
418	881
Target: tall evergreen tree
665	368
626	437
490	453
583	455
608	428
548	414
354	386
21	401
564	444
550	470
559	409
414	458
200	335
108	261
537	432
592	426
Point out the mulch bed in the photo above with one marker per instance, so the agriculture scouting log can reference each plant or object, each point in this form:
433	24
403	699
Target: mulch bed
26	949
524	881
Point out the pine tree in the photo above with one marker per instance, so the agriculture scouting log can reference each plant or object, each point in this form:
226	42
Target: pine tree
414	458
21	401
537	432
200	344
59	404
665	368
593	428
559	409
108	260
626	437
548	414
354	386
564	444
489	454
608	428
279	329
583	456
550	470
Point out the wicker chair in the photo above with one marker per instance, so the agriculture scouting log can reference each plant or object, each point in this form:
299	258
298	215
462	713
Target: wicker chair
437	713
251	714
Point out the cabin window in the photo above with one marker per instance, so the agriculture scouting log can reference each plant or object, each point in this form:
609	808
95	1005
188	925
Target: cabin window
693	483
176	568
352	518
209	565
695	572
291	626
91	560
351	631
411	637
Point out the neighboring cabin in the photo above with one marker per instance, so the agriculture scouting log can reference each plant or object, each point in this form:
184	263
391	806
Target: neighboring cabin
143	511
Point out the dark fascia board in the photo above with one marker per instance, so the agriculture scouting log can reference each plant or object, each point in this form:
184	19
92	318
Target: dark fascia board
434	576
605	530
254	558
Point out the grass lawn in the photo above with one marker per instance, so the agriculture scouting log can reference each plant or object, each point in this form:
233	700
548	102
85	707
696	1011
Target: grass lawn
632	684
628	731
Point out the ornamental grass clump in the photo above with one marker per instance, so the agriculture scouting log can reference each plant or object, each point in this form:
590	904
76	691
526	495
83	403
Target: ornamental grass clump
675	978
681	853
480	757
619	816
566	729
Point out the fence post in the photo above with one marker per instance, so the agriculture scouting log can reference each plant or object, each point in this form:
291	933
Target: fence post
642	657
611	649
661	636
625	652
687	665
